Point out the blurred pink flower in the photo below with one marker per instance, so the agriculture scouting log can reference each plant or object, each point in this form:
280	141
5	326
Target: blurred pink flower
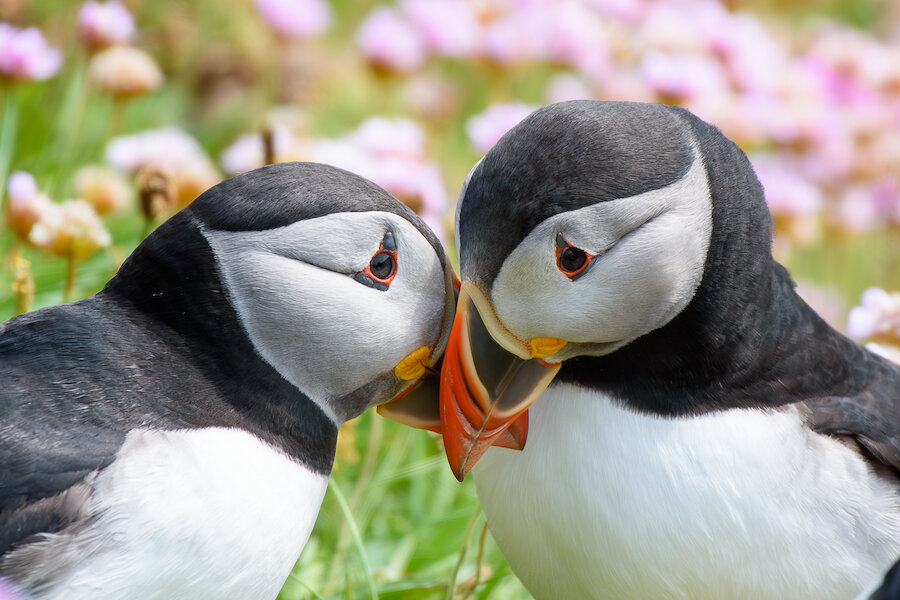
877	317
295	19
71	229
21	185
788	193
447	27
565	87
390	42
516	37
104	24
104	188
385	138
124	71
25	204
24	54
862	207
417	184
487	128
682	77
167	147
248	151
623	10
827	303
577	36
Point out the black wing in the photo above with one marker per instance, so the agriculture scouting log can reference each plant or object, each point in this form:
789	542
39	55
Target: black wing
871	418
52	433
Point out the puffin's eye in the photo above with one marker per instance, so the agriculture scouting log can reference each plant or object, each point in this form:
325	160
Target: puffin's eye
570	260
382	266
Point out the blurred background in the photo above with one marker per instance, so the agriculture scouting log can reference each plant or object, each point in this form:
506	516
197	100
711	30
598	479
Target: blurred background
114	115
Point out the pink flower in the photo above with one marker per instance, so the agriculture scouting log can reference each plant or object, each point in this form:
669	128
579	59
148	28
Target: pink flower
683	77
21	185
295	19
104	24
390	42
515	38
386	138
124	71
25	205
71	229
577	36
565	87
168	147
877	317
24	54
487	128
859	209
788	193
447	27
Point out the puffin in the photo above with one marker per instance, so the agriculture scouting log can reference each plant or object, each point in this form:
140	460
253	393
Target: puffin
648	408
171	437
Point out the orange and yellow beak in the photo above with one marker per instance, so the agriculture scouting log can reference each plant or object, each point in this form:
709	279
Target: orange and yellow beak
489	378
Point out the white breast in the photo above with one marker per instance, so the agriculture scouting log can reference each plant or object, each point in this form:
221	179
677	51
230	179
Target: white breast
606	503
211	513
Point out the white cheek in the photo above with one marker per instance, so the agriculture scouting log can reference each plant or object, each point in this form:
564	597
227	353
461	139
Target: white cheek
323	331
642	281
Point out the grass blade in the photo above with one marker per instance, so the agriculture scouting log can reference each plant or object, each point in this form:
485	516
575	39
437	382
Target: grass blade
354	531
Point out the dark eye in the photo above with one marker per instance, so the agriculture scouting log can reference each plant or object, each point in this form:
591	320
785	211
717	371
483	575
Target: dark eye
572	261
382	266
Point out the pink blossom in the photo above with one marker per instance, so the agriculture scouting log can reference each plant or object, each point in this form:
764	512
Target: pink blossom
788	193
877	317
25	204
577	36
516	37
487	128
825	302
71	229
104	24
385	137
295	19
629	11
447	27
21	185
565	87
390	42
859	209
24	54
167	147
683	77
248	152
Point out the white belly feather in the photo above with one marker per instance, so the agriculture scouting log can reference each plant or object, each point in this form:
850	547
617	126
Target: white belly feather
606	503
200	514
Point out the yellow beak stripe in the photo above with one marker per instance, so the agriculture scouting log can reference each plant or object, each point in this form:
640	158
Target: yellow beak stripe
412	366
542	347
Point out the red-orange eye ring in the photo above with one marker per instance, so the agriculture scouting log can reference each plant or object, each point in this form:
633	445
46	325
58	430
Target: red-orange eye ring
382	267
571	260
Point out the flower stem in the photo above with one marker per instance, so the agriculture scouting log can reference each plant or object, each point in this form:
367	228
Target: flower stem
8	127
70	278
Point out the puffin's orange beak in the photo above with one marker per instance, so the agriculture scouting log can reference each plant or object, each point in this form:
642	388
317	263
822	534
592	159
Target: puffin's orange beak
488	380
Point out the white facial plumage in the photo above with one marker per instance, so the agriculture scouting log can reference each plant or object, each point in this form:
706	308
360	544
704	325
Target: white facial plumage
650	251
299	278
